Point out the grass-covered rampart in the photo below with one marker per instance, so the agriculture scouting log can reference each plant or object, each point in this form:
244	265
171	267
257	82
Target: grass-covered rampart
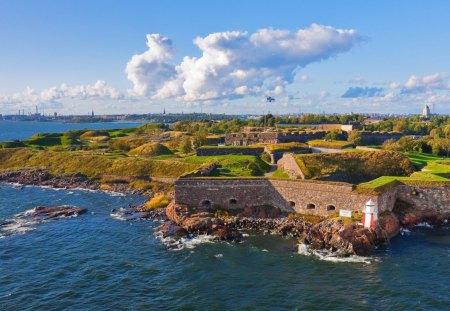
354	167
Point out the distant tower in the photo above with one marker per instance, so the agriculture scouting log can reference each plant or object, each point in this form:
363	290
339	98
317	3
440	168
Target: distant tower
370	215
92	113
164	112
426	111
36	109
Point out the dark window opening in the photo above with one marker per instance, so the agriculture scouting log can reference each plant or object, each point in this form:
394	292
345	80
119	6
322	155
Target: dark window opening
331	208
310	206
233	201
206	203
292	203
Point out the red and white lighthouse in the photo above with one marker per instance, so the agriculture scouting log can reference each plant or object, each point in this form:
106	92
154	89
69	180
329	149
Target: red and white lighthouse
370	215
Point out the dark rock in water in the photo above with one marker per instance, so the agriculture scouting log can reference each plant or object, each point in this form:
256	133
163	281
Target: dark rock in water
137	213
55	211
172	229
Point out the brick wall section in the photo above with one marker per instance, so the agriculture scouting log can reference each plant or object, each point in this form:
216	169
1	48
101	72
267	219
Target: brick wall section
376	138
320	199
290	196
228	193
244	139
436	199
289	165
300	196
225	151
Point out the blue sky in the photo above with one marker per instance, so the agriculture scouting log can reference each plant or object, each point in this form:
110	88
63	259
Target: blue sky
53	53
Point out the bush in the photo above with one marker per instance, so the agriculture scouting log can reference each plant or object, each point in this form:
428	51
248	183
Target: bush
266	157
158	201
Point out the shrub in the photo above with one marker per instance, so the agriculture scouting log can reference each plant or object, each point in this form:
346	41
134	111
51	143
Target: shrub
158	201
266	157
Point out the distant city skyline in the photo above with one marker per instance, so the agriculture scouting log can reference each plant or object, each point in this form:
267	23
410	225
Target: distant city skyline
123	57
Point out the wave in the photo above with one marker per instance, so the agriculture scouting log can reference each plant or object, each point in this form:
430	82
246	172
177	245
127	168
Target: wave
327	255
184	243
424	225
23	222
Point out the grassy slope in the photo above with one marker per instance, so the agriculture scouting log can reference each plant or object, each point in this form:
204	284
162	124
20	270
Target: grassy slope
335	144
92	165
354	167
435	171
232	165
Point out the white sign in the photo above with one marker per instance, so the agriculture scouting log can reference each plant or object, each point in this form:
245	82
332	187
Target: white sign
345	213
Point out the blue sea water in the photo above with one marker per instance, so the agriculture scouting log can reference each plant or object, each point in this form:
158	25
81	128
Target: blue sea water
96	262
11	130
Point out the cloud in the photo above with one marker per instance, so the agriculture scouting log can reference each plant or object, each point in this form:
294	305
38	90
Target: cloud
50	97
234	64
414	84
354	92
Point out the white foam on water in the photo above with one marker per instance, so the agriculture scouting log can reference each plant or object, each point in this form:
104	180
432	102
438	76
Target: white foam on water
184	243
424	225
404	231
218	255
264	250
25	222
327	255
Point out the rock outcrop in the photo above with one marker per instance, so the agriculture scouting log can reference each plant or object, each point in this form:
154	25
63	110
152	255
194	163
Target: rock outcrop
52	212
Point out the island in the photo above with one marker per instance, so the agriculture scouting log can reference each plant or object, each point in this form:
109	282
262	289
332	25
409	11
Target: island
346	188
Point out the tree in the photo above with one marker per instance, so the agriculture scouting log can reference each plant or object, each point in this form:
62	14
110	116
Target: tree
332	135
187	145
355	138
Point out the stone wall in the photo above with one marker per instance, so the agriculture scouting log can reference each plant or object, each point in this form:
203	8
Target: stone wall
306	197
244	139
227	150
434	199
314	198
289	165
228	193
377	138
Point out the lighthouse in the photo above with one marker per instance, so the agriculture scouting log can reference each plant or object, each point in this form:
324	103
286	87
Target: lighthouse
370	215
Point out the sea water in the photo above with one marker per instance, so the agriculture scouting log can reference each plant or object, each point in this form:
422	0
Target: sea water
11	130
96	262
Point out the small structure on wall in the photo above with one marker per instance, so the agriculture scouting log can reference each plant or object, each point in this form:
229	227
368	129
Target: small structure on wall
370	214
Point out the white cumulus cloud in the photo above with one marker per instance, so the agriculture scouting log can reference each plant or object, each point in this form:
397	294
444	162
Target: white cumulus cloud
30	97
234	64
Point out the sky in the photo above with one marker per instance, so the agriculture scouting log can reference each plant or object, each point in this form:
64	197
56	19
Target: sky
224	56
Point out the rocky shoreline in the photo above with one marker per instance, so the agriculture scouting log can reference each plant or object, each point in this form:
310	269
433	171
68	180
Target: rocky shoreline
40	177
340	236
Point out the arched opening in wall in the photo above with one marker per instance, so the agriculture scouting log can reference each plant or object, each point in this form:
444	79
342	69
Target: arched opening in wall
331	208
311	206
292	203
233	201
206	204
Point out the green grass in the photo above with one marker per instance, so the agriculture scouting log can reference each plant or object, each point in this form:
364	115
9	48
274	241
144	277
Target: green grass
232	165
335	144
354	167
279	173
150	150
422	159
286	147
92	165
435	171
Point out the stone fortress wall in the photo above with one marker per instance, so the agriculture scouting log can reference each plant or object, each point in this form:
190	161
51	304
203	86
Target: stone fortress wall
305	197
244	139
255	151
